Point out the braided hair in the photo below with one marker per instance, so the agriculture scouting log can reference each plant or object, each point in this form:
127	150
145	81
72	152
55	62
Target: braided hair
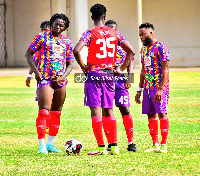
146	25
60	16
98	11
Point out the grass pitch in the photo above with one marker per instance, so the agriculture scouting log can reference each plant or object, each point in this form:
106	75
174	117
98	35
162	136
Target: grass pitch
19	144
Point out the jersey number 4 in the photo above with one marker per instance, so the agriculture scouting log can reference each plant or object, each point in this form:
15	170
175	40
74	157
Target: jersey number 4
106	43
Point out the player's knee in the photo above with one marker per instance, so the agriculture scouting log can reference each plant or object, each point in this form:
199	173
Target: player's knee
162	115
124	110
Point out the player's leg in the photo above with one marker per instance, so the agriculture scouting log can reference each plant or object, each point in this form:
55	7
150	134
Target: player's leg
164	127
97	125
122	100
164	122
45	96
54	121
93	100
109	120
148	108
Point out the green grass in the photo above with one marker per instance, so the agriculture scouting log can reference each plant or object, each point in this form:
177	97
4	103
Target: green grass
19	144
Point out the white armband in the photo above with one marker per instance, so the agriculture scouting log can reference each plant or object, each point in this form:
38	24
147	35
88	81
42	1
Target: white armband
119	71
29	76
139	89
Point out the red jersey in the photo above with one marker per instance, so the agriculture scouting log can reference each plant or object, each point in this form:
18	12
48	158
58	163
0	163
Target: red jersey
102	43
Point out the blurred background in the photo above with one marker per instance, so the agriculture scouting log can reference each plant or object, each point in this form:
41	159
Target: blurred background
176	22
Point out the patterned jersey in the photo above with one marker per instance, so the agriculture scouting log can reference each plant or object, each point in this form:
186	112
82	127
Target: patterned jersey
36	57
152	57
121	55
53	53
102	44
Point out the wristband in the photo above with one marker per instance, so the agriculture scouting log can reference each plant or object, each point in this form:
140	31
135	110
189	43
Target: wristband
29	76
119	71
139	89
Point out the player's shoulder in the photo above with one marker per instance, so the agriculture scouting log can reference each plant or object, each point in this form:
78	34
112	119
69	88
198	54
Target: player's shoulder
161	44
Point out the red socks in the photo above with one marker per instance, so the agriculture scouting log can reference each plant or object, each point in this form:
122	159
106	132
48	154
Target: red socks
54	122
43	114
153	129
164	126
97	129
128	124
110	128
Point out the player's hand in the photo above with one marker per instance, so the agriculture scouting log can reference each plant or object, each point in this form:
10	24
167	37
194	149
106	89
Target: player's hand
127	85
85	68
28	80
38	76
137	97
57	81
158	95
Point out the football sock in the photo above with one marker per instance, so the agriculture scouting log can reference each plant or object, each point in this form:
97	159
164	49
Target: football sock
51	139
97	129
110	128
164	126
48	118
42	141
128	124
41	122
153	129
54	122
105	128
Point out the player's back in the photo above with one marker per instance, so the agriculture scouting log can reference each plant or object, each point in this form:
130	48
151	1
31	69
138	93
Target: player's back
103	46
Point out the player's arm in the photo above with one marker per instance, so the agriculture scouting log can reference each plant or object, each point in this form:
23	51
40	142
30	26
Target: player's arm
127	84
165	74
29	76
58	80
77	54
139	89
130	53
29	57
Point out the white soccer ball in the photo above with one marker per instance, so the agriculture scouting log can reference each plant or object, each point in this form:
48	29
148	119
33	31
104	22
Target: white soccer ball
73	146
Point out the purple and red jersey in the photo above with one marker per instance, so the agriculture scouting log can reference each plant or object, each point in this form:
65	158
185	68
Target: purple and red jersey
121	55
53	53
102	44
152	57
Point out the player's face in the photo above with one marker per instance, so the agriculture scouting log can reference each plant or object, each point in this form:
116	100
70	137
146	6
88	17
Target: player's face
58	26
114	26
145	36
45	28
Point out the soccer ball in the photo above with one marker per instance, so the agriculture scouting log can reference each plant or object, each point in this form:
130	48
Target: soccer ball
73	146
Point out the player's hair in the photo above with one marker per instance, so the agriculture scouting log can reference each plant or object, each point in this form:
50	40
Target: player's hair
98	11
146	25
110	22
60	16
45	23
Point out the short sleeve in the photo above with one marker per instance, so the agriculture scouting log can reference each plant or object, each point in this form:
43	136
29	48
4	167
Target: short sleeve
69	52
163	53
86	37
36	43
120	37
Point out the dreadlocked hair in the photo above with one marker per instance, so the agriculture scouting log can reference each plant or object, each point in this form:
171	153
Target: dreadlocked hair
110	22
146	25
45	23
60	16
98	11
